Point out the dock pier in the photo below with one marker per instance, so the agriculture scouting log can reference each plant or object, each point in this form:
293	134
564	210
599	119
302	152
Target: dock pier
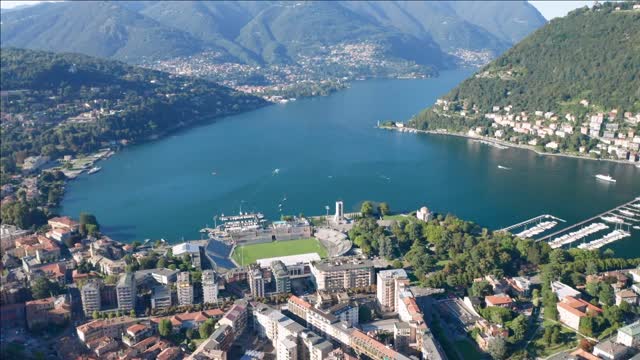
608	212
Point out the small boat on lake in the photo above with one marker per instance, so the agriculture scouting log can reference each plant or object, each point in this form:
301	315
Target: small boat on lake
503	167
605	178
94	170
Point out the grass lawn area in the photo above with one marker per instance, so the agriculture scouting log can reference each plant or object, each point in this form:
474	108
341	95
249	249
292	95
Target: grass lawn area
541	349
399	217
248	254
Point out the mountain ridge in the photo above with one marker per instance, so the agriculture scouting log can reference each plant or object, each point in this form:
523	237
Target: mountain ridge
263	32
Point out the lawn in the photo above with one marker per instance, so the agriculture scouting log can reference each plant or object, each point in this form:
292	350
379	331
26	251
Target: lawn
539	348
248	254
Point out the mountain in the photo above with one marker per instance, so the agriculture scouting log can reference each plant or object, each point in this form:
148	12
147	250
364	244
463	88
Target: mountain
269	32
591	54
55	104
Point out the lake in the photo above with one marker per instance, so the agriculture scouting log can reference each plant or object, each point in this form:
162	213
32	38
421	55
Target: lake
327	148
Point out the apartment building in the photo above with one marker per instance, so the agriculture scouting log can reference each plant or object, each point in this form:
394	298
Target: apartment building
344	273
388	286
185	289
90	295
209	287
126	292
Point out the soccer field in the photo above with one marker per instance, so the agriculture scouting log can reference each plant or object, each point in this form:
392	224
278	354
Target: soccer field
248	254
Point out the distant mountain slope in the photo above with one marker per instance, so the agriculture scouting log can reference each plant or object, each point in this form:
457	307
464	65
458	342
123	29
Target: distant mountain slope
268	32
56	104
591	54
94	28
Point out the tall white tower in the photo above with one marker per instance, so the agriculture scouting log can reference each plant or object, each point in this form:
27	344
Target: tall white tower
339	216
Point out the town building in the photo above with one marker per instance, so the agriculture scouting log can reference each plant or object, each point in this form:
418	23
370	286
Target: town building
90	294
287	348
629	335
126	292
136	333
113	328
185	289
209	287
423	214
342	273
627	295
160	297
190	249
42	312
498	300
388	288
563	290
281	277
256	282
236	317
571	310
611	350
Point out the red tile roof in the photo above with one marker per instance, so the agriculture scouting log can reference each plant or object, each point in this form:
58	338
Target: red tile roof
577	307
134	329
65	220
298	301
498	300
378	346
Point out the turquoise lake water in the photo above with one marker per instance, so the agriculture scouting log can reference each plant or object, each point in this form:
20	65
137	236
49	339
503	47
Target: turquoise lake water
327	148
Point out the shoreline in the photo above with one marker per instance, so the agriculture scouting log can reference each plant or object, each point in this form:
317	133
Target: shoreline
500	142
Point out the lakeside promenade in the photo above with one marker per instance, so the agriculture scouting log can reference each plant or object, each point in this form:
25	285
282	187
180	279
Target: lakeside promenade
497	142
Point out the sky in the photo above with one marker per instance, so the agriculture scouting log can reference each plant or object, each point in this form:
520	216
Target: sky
549	9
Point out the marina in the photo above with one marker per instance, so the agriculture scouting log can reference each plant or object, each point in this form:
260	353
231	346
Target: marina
607	239
577	235
538	229
615	216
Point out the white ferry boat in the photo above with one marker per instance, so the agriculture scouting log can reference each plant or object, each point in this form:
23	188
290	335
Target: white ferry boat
94	170
605	178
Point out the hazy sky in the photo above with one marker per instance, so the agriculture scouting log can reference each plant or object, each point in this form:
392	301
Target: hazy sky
549	9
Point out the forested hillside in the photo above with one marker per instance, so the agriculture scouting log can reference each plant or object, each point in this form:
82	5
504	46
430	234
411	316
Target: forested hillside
591	54
268	32
63	104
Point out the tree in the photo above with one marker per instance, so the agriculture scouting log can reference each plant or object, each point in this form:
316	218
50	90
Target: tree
87	219
535	296
367	208
605	294
519	327
555	335
165	327
189	333
95	315
383	209
42	288
481	289
206	328
547	335
498	348
132	313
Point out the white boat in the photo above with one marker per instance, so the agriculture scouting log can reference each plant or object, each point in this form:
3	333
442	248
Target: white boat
605	178
612	219
627	212
94	170
276	171
503	167
637	227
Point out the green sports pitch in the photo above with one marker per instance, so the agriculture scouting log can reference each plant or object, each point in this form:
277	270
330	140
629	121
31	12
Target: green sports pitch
248	254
